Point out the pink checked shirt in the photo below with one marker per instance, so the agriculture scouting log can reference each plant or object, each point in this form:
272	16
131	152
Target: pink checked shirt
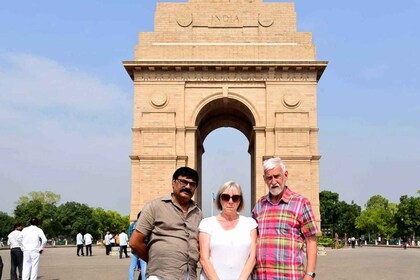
282	229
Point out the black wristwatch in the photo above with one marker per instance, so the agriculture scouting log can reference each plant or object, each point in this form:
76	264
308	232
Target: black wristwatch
312	274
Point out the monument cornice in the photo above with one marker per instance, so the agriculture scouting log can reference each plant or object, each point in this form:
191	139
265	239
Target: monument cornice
240	66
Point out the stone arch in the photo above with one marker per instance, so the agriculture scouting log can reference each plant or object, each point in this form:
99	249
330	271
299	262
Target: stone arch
224	112
209	64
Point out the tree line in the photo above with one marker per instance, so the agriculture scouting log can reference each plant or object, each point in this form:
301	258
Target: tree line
63	221
379	217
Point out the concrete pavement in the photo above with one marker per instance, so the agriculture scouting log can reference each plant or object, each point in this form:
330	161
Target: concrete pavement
365	263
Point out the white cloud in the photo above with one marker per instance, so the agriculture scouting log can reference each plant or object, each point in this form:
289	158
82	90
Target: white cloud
62	129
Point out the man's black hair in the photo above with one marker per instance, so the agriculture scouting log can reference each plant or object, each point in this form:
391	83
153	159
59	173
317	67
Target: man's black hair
34	221
187	173
18	224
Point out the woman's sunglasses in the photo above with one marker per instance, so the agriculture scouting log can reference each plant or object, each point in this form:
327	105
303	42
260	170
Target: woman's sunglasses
226	197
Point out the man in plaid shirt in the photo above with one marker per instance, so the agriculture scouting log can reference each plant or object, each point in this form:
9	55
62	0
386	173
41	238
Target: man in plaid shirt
285	224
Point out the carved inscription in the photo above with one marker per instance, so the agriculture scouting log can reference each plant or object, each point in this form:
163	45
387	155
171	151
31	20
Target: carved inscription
225	20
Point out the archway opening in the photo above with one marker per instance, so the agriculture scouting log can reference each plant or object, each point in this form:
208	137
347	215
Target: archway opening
233	125
226	158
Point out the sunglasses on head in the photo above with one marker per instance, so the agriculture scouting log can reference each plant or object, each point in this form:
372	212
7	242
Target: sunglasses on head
226	197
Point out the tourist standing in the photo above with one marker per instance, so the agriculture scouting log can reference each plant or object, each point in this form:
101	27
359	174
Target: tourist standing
228	232
79	244
107	243
88	243
171	224
16	254
33	242
123	243
135	260
285	224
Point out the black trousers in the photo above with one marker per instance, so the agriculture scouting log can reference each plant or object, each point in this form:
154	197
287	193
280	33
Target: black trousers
80	248
16	262
89	249
123	248
108	249
1	267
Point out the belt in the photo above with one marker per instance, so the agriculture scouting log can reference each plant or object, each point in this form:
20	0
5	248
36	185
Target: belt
16	248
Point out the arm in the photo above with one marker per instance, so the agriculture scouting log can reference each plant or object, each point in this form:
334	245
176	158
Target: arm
250	262
204	239
311	252
138	246
43	240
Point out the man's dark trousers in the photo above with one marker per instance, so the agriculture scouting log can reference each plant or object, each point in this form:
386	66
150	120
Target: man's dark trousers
80	248
123	249
1	267
16	260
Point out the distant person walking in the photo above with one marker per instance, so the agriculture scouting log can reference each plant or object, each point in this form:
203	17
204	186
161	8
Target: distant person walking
79	243
88	243
404	242
33	242
16	254
107	243
123	243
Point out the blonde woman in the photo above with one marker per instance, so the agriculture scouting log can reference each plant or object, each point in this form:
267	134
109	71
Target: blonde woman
228	240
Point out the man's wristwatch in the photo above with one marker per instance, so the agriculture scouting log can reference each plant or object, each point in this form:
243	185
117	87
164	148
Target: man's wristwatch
312	274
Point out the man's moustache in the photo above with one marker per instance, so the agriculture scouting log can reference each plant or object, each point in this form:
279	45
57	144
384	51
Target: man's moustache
187	191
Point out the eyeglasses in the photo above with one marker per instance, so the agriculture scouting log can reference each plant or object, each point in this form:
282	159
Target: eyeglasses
226	197
183	183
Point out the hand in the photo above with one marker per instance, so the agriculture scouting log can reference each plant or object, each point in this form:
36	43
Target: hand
307	277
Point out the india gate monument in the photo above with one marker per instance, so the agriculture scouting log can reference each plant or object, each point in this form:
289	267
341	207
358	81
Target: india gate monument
224	63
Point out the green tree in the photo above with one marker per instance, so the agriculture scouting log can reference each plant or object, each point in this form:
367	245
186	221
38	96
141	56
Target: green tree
75	217
24	211
378	218
6	224
38	204
338	215
328	202
46	197
408	216
346	221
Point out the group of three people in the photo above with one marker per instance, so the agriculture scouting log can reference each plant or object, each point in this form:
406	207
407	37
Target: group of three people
270	245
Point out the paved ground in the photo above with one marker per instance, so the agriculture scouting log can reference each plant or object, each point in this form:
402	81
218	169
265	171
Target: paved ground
366	263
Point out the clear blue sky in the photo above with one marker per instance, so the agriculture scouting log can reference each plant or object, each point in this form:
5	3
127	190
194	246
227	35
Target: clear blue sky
66	100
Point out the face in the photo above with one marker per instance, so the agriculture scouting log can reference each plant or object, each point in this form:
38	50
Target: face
275	180
183	188
230	199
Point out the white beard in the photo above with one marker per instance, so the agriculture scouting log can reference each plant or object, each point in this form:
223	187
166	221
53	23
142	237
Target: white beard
276	191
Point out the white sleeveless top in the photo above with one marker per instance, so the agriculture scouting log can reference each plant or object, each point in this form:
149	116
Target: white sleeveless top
229	248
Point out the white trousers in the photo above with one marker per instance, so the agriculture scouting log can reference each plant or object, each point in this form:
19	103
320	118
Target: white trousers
30	265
